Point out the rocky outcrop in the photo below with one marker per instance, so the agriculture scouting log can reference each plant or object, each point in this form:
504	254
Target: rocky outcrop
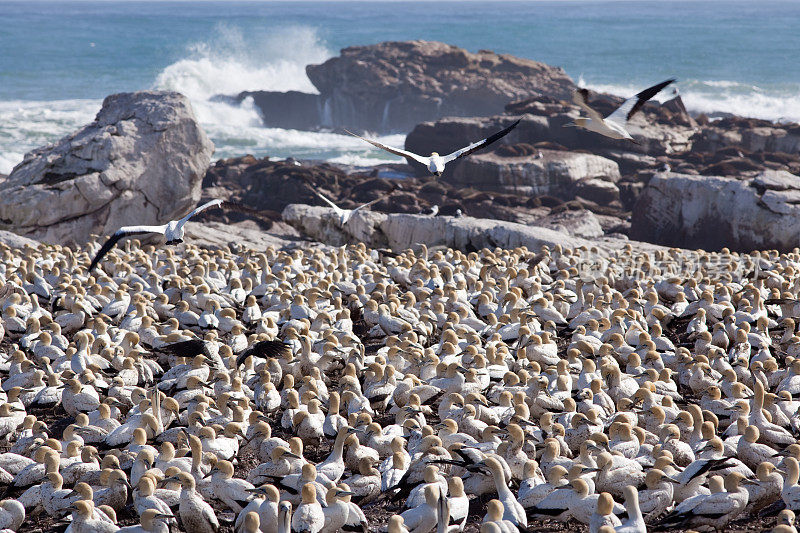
289	110
392	86
546	127
550	172
748	134
12	240
401	231
141	161
269	186
712	212
578	223
213	234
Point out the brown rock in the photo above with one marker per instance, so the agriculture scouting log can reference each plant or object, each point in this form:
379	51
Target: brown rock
396	85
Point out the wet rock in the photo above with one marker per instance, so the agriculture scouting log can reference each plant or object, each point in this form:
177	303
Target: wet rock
392	86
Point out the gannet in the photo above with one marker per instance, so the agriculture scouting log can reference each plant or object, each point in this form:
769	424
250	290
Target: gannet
172	231
151	521
424	517
83	520
12	514
717	509
344	215
336	512
613	125
196	514
635	521
308	517
436	163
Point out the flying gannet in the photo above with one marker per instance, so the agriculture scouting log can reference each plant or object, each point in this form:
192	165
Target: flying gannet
172	230
435	162
613	125
344	215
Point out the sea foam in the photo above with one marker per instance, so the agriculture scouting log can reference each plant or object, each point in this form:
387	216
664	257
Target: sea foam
230	63
776	103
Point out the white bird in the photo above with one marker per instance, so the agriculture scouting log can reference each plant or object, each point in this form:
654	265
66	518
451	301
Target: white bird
195	512
613	125
344	215
435	162
172	230
635	522
309	516
12	514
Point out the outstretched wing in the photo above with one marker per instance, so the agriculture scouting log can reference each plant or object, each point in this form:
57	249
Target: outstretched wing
264	349
188	349
119	234
199	209
328	201
631	106
480	144
395	151
376	200
581	98
222	204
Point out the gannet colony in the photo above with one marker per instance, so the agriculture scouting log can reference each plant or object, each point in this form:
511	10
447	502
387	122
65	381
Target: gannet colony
160	388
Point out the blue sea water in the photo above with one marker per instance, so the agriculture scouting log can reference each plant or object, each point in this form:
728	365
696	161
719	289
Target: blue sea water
58	59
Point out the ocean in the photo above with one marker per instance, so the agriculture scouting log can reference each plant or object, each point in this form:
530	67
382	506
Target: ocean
59	59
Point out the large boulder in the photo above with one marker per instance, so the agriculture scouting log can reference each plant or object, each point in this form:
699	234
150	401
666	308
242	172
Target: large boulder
547	172
214	234
141	161
712	212
269	186
392	86
400	231
749	134
12	240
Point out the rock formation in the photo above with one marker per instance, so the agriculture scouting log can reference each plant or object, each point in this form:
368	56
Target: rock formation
270	186
392	86
400	231
12	240
549	172
140	162
712	212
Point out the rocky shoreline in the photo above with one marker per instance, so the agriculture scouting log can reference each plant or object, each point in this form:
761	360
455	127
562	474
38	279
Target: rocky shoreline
145	159
554	224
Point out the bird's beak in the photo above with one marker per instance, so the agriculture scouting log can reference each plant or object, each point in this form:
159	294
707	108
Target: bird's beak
634	141
569	125
292	455
671	479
